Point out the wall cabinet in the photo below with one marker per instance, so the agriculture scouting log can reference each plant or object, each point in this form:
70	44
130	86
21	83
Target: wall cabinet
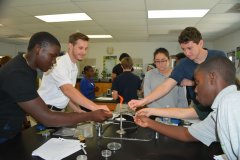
103	87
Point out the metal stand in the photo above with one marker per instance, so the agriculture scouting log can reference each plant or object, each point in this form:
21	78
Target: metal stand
121	131
99	129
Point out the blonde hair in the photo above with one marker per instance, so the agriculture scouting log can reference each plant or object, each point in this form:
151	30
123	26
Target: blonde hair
127	63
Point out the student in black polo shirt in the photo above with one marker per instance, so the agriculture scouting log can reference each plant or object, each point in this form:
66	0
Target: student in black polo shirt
126	84
117	69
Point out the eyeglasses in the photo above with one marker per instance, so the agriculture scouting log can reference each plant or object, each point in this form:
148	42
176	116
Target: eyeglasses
162	61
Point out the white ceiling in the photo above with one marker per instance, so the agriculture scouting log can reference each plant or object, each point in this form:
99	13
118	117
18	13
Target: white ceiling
125	20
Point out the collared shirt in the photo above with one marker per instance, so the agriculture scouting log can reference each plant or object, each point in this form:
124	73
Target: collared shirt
175	98
64	72
222	122
228	123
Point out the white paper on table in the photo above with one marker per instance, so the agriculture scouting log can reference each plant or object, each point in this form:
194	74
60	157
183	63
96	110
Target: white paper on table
220	157
58	148
105	98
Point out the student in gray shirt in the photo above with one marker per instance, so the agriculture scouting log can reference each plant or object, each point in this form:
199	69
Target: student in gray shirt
153	78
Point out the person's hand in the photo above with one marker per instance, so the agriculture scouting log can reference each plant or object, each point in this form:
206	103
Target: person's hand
100	115
187	82
133	104
104	107
142	121
145	112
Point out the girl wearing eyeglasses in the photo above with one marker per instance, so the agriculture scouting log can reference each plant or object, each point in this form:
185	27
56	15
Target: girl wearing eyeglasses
154	77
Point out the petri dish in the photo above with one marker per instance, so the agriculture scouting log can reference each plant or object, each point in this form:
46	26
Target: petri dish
114	146
106	153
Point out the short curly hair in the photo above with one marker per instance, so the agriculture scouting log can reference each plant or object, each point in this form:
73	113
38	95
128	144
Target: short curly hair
190	34
43	39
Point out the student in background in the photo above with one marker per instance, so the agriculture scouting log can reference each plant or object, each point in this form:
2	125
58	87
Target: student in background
215	87
153	78
117	69
178	57
87	86
21	97
127	84
151	66
57	88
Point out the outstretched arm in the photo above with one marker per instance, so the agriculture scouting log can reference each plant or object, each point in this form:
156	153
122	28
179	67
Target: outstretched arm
74	95
39	110
74	107
157	93
180	113
176	132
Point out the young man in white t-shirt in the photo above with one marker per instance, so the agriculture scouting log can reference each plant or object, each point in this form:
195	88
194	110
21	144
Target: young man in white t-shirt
57	88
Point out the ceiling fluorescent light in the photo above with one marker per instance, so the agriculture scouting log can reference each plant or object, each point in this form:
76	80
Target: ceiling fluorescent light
99	36
177	13
25	38
64	17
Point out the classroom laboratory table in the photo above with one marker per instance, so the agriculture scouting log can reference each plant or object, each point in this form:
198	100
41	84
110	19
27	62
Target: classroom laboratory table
141	145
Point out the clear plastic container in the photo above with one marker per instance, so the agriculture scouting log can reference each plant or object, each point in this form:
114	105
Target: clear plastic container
84	129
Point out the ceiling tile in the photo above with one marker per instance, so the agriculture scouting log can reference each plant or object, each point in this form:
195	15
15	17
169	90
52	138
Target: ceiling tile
125	20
